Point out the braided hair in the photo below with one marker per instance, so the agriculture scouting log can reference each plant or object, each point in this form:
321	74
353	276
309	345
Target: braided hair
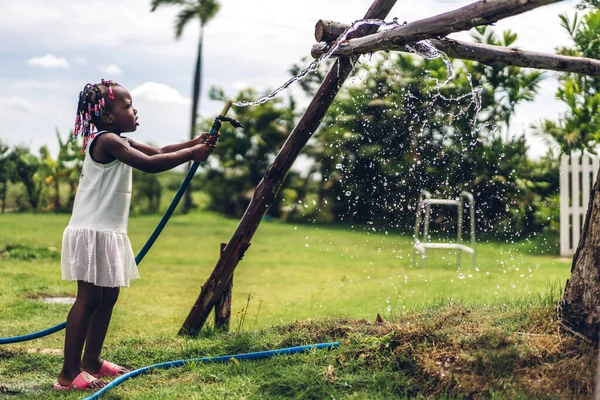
92	103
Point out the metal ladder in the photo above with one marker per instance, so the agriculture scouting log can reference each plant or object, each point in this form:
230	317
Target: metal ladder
425	203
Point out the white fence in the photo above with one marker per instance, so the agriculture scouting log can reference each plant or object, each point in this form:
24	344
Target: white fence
577	176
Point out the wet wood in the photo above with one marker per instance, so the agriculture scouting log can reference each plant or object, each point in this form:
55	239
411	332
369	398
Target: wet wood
266	190
484	12
487	54
328	31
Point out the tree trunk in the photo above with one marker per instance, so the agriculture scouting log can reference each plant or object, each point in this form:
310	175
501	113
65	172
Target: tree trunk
267	189
187	196
327	31
580	305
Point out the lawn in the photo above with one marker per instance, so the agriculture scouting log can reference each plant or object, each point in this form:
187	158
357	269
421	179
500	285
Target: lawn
290	274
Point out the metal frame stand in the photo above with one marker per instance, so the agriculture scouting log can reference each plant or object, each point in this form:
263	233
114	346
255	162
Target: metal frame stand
425	203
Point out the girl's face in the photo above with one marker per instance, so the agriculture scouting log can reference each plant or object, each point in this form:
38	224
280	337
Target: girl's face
123	114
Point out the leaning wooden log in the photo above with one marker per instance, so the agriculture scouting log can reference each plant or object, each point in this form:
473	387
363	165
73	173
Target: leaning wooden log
485	54
483	12
223	303
267	189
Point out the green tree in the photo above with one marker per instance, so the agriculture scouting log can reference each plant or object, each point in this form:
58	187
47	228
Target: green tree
65	168
201	11
50	167
579	127
241	159
71	162
503	86
28	170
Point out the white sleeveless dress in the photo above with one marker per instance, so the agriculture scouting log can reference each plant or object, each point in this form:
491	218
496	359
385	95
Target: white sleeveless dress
95	246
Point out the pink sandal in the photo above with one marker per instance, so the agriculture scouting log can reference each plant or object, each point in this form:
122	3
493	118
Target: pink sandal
108	370
81	382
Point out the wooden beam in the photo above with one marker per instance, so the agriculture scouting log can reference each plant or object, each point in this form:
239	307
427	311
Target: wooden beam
329	31
223	304
487	54
267	189
483	12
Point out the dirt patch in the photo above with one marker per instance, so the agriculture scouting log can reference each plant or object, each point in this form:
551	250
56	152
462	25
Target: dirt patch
50	298
564	259
58	300
55	352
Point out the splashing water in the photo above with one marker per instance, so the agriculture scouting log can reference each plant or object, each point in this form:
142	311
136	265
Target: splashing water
313	66
427	50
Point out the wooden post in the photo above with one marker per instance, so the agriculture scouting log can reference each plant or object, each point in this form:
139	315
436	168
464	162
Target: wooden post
267	189
223	304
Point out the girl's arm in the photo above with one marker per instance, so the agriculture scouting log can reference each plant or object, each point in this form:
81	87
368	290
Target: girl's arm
110	146
150	151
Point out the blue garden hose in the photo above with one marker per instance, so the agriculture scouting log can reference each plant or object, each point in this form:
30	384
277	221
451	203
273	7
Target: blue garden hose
35	335
138	259
180	363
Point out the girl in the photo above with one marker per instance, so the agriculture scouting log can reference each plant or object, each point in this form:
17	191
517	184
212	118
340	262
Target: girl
96	251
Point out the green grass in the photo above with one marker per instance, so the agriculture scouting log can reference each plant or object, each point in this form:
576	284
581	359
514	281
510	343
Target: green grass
291	275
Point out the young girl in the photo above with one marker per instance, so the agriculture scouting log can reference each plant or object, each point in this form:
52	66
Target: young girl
96	251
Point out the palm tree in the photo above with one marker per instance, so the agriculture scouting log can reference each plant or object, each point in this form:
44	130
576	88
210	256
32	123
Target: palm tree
203	11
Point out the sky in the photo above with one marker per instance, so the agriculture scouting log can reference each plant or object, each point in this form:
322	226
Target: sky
51	49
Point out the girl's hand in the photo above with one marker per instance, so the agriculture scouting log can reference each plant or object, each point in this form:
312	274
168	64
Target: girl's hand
200	152
205	137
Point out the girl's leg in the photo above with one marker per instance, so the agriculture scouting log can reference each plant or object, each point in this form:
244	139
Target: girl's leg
97	331
78	320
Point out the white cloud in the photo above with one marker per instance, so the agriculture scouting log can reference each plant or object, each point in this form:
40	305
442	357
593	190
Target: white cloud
49	61
81	61
241	85
26	85
16	103
158	93
112	69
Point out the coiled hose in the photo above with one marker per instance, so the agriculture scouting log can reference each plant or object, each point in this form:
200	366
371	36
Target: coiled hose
180	363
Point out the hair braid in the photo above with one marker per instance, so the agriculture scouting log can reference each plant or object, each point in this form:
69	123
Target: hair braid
91	105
